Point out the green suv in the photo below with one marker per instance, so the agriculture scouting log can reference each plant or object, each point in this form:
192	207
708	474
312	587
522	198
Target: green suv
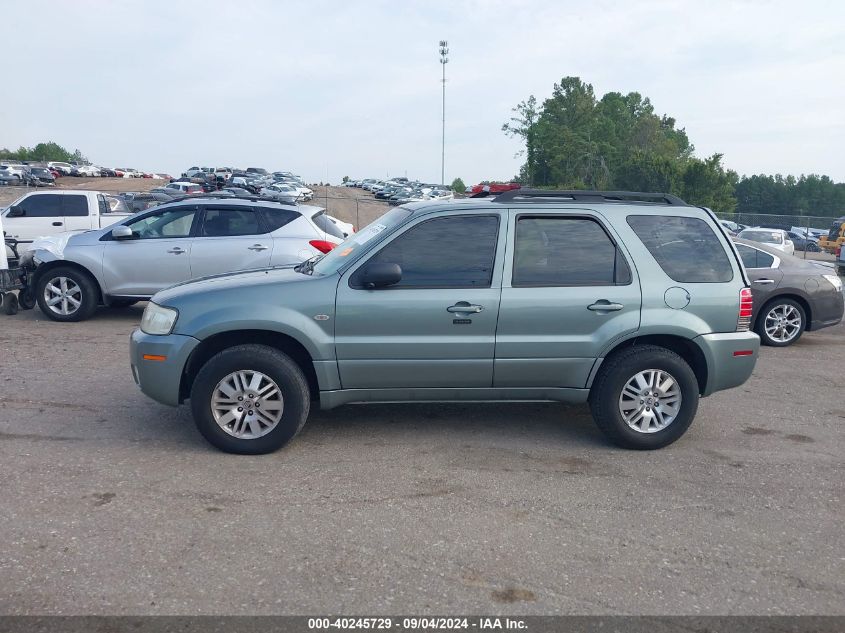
635	303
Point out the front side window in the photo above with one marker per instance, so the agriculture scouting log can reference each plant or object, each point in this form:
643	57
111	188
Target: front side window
686	249
48	205
230	222
167	224
566	251
450	252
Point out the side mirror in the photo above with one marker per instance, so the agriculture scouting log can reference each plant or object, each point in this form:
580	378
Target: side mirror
122	233
380	275
15	212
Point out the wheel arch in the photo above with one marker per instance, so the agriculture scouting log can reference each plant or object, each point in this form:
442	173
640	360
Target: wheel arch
797	298
218	342
683	347
46	267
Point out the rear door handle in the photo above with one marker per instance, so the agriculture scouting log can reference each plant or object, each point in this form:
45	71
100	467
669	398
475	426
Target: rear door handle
176	251
464	307
764	281
258	247
603	305
57	223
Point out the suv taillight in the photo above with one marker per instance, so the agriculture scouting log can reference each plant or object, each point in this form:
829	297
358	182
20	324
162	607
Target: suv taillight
746	307
322	245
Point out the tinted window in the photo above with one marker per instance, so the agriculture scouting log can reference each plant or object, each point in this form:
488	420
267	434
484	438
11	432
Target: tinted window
104	206
277	218
229	222
559	251
75	205
453	252
326	225
752	258
42	206
172	223
687	249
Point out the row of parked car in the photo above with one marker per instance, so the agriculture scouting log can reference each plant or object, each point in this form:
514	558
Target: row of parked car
783	237
401	190
40	174
281	186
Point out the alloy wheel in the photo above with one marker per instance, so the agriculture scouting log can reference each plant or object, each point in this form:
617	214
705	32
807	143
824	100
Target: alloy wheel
650	401
63	295
782	323
247	404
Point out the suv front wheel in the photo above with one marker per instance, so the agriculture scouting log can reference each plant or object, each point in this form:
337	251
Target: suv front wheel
644	397
250	399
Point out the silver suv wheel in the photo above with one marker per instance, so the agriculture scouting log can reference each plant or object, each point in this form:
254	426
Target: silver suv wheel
63	296
650	401
247	404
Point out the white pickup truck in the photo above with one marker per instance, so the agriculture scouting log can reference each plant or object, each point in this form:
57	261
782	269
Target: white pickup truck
43	213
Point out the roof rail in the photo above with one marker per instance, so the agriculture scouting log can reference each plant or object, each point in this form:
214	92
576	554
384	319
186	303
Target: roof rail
583	195
218	196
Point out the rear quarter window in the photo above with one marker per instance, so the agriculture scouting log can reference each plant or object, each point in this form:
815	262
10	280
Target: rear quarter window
687	249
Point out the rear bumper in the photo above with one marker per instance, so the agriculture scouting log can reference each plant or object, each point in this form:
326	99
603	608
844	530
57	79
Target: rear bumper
161	378
730	358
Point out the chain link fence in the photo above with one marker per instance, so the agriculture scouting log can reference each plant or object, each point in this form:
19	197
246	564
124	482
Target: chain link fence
813	225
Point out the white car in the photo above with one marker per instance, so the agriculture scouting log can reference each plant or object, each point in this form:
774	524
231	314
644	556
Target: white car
90	171
282	193
63	168
776	238
345	227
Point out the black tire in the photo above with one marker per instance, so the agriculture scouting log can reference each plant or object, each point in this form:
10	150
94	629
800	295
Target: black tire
26	298
615	373
780	303
272	363
122	303
10	303
89	295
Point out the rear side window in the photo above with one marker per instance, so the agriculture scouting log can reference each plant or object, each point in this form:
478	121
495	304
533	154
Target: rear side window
277	218
752	258
104	206
230	222
687	249
566	251
75	206
326	225
47	205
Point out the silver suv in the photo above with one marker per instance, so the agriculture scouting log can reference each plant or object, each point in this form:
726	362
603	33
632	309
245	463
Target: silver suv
635	303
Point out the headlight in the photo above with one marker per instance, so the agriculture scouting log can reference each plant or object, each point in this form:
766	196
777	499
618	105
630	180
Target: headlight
835	280
158	320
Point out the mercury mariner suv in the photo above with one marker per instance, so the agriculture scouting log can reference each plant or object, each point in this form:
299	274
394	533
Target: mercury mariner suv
637	304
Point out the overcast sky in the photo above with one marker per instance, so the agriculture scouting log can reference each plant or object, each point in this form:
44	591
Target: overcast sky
334	88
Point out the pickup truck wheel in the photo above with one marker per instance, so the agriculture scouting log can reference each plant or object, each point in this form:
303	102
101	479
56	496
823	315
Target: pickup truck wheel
644	397
781	322
67	294
250	399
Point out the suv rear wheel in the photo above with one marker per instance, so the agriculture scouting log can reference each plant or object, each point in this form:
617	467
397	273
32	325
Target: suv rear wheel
250	399
644	397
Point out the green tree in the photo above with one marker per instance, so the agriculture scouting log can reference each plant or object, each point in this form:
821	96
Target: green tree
48	151
345	179
458	186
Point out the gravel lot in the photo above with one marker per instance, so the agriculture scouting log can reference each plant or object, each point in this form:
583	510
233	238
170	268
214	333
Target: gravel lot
114	504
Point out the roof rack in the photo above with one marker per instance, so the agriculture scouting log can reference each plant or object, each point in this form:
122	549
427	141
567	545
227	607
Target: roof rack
219	196
582	195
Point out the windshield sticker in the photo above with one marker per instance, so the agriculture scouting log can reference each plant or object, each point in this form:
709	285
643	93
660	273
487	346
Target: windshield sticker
369	233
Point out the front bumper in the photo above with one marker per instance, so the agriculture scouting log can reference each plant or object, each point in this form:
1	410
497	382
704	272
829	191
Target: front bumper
160	374
730	358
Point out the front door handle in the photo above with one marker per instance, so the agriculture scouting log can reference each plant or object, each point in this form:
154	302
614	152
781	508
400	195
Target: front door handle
258	247
176	251
603	305
764	281
57	223
464	307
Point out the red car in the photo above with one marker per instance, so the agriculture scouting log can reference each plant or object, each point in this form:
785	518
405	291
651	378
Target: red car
495	187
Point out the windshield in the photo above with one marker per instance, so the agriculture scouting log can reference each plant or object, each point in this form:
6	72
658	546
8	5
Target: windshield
336	257
764	237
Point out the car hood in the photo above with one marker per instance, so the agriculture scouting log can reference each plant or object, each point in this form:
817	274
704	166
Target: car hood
230	281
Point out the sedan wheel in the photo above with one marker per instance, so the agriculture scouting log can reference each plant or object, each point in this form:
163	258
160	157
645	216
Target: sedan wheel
781	323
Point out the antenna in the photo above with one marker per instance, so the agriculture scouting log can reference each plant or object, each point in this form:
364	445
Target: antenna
444	51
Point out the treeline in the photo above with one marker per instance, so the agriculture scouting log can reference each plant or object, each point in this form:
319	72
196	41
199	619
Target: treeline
44	152
574	140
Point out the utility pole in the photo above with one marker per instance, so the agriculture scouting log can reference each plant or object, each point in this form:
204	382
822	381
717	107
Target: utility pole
444	51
